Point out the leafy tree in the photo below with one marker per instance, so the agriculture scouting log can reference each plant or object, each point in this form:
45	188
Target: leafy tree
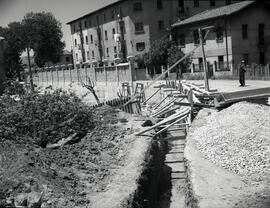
165	52
14	47
43	34
174	54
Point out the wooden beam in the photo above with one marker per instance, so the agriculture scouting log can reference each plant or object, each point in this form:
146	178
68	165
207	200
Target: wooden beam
173	123
171	118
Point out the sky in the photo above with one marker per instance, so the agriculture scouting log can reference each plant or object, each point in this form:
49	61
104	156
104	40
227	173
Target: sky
63	10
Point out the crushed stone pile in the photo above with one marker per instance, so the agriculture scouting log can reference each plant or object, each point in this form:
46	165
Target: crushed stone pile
238	139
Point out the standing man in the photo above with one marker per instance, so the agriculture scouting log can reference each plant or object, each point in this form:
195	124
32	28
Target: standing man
242	71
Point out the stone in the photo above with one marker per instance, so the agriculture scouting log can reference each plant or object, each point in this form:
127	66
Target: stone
21	200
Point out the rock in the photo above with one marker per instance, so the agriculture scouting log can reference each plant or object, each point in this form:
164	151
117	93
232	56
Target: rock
69	140
34	200
21	200
147	123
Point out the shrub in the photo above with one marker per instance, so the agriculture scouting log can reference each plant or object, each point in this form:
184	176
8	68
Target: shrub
43	118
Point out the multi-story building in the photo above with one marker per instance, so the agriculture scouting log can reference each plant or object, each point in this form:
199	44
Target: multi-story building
127	27
238	32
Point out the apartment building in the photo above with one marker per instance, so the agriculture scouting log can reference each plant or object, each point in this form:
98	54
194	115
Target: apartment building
125	28
241	31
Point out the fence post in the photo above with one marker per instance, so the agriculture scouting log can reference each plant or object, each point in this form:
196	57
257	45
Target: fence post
51	67
47	78
95	73
85	70
78	76
117	74
104	68
37	73
70	75
42	76
57	73
63	67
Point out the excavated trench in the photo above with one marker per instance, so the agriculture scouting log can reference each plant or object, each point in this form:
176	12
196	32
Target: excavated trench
156	182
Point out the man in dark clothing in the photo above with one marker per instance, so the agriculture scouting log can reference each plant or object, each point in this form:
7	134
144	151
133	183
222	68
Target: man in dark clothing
242	71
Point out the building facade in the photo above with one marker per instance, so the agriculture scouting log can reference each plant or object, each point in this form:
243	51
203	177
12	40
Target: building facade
126	28
239	31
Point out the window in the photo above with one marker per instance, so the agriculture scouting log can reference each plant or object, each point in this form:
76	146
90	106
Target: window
196	3
90	22
113	32
85	23
200	64
261	34
75	41
219	31
228	2
244	31
139	27
104	17
93	54
91	38
160	24
181	3
262	58
106	35
137	6
67	59
86	39
114	49
159	4
112	14
220	62
212	3
76	57
140	46
196	37
246	58
107	51
182	40
88	55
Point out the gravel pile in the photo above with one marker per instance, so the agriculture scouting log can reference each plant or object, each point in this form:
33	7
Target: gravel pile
238	139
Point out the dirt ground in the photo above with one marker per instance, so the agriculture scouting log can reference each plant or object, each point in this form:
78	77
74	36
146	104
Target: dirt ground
65	176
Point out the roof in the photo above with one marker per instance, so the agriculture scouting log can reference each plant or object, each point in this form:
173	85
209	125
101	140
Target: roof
214	13
109	3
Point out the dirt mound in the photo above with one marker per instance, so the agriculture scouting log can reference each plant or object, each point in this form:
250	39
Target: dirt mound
237	139
68	174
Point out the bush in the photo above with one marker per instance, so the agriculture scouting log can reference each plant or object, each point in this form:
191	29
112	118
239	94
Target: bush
43	118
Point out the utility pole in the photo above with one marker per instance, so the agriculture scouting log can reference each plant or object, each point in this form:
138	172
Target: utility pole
205	66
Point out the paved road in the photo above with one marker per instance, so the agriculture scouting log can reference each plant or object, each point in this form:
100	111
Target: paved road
233	85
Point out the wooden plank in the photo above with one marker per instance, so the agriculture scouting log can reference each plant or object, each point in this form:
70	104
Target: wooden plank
151	96
160	102
173	123
166	120
167	111
201	105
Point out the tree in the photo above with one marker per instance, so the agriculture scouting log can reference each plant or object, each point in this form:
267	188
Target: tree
14	47
174	54
164	52
43	34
